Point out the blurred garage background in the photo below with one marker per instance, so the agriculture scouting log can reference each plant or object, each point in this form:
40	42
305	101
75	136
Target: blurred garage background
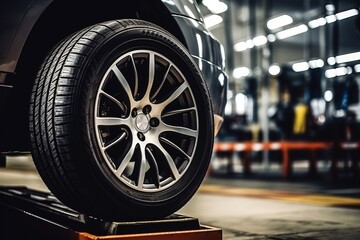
286	161
293	96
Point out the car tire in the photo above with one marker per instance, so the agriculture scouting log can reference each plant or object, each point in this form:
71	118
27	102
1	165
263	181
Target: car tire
121	122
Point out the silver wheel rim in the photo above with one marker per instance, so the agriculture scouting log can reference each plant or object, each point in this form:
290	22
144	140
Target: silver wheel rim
146	121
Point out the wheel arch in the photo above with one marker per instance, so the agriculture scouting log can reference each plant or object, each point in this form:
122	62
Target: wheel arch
57	21
62	18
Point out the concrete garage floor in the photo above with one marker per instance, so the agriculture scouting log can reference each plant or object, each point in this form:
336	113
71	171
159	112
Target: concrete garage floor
251	208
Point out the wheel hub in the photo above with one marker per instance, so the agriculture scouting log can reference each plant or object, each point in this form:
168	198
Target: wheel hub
142	122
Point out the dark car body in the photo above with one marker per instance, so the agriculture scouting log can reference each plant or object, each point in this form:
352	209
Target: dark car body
29	29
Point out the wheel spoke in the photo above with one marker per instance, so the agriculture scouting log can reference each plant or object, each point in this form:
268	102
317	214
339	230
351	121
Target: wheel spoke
136	80
170	161
173	145
151	75
182	130
117	102
110	121
179	111
123	82
124	163
154	168
175	94
162	82
142	170
119	139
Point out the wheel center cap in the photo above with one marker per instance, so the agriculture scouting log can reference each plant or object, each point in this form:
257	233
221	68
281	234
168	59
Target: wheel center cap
142	122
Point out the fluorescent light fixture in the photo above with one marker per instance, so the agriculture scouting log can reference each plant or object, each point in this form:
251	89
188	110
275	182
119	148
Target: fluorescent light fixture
292	31
328	95
300	66
249	43
330	18
317	63
259	40
330	7
331	60
346	14
349	70
274	70
212	20
278	22
330	73
341	71
215	6
271	38
240	46
337	72
317	22
355	56
241	72
357	68
241	101
318	106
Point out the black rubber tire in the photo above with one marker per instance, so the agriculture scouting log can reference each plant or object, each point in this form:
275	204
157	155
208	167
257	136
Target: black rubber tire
64	145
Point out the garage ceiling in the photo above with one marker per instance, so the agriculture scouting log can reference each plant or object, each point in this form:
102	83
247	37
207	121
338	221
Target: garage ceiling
246	19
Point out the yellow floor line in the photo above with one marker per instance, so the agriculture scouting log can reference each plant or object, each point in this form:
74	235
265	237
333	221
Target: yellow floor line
306	198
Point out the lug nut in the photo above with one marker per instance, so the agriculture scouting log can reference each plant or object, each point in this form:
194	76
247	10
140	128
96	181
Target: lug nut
154	122
134	112
141	136
147	109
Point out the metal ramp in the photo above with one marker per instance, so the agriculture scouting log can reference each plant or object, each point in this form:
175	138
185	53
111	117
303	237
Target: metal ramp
32	214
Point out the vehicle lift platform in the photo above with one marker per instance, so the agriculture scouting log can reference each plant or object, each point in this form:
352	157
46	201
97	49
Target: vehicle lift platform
31	214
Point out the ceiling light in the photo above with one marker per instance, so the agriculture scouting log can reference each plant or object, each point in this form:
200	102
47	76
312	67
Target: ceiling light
280	21
274	70
349	70
317	22
348	57
337	72
317	63
328	95
341	71
241	101
300	66
271	38
240	46
331	60
330	18
330	7
346	14
212	20
249	43
292	31
241	72
330	73
357	68
259	40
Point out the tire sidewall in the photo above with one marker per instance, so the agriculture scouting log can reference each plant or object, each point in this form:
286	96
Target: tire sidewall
107	52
